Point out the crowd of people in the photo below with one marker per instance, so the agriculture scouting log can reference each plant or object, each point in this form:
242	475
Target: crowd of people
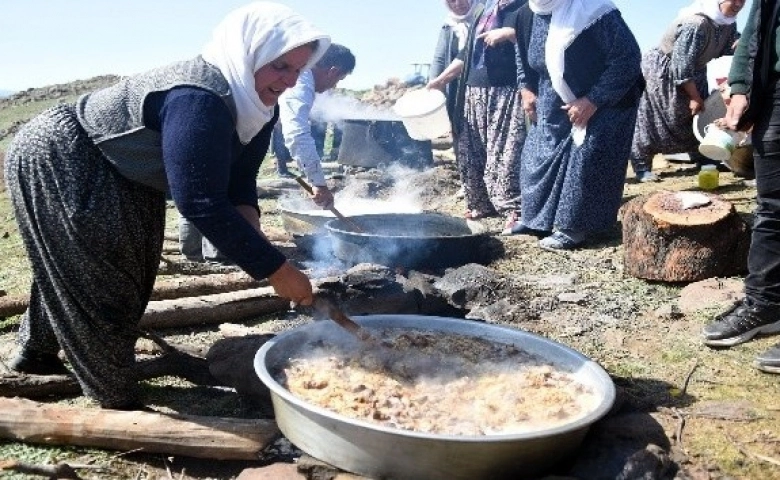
551	149
548	101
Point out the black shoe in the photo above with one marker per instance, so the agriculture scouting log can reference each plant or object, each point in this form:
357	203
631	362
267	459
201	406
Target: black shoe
739	324
37	363
769	361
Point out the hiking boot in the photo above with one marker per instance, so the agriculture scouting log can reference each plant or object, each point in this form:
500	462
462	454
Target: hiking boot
37	363
769	361
739	324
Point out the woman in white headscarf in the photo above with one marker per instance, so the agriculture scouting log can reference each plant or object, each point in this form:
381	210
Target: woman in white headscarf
452	39
487	121
580	84
88	184
676	75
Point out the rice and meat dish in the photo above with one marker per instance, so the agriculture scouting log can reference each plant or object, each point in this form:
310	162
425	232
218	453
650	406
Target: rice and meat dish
438	383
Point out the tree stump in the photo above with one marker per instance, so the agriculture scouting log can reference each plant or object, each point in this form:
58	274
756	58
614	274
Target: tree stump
664	241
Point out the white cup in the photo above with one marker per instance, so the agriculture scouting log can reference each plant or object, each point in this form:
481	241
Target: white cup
717	144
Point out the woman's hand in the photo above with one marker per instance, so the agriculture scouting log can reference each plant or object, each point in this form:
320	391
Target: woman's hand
580	111
529	103
289	282
696	105
322	197
737	107
497	36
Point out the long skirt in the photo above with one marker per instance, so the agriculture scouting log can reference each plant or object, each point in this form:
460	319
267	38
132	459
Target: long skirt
94	240
489	145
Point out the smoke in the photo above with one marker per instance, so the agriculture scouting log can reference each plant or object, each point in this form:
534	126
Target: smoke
335	108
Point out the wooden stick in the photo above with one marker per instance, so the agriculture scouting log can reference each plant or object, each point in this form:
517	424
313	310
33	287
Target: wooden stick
338	214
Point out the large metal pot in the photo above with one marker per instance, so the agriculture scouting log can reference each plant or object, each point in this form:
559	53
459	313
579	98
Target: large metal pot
369	143
380	452
421	240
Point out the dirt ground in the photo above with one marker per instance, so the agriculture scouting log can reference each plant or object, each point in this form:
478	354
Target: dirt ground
721	416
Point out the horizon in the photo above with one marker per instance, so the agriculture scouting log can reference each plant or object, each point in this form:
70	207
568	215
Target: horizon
64	42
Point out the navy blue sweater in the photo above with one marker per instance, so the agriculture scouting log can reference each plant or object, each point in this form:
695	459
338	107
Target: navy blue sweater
210	172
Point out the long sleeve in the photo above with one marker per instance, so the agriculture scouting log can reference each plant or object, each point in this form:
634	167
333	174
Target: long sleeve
441	53
623	60
739	80
210	173
294	115
691	41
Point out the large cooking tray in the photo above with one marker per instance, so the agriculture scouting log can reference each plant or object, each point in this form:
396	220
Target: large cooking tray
387	453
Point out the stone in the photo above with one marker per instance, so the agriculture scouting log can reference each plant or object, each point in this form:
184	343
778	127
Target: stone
276	471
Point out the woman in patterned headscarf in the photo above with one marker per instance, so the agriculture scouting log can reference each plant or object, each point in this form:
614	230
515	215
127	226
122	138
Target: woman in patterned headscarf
488	122
676	76
88	184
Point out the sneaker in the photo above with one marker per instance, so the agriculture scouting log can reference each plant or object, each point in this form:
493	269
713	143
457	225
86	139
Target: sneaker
37	363
769	361
739	324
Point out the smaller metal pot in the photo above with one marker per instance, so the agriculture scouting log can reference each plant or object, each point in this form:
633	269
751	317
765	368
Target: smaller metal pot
411	240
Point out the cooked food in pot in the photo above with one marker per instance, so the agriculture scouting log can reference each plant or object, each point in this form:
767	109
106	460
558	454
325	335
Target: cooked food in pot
438	383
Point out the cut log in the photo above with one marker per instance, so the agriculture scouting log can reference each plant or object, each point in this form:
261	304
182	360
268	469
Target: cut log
211	309
172	362
190	286
164	289
13	305
188	435
664	241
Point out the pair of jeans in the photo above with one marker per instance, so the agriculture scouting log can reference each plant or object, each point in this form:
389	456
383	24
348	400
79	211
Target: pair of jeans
762	285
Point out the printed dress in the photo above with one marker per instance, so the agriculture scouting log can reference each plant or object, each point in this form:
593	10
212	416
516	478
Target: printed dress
568	187
665	123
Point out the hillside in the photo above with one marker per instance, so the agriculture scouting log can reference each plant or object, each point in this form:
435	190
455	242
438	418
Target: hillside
20	107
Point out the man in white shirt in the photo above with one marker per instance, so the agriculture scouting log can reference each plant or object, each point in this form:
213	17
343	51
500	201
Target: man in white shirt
295	106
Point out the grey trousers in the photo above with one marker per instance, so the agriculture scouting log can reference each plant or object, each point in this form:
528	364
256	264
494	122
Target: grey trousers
94	239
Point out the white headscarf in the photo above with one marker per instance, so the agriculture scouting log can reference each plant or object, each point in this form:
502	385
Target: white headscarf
460	23
710	8
249	38
569	19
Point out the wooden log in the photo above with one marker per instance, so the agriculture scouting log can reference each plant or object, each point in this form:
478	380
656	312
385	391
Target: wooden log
188	435
172	362
164	289
211	309
13	305
193	286
664	241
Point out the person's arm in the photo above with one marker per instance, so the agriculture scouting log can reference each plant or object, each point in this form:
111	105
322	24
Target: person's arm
691	41
739	80
622	68
441	53
295	107
449	74
217	194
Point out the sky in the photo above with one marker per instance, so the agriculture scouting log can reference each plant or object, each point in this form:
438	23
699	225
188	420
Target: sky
45	42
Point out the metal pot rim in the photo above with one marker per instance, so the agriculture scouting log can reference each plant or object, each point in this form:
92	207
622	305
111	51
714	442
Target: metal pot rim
608	395
477	228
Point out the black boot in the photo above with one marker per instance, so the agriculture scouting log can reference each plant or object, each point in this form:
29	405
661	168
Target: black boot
38	363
